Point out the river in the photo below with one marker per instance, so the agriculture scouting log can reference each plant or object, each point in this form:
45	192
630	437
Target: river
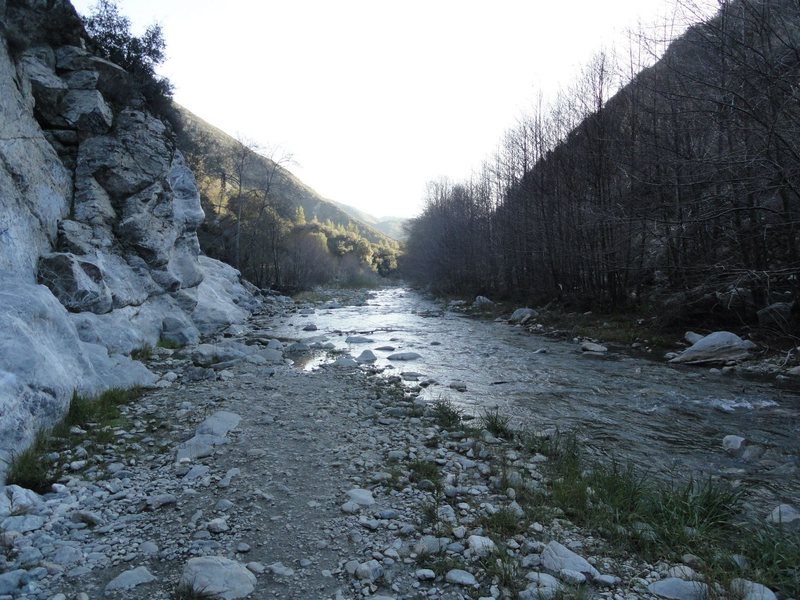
665	419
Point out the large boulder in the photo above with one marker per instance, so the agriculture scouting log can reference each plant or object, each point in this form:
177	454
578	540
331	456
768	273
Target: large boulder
522	315
42	361
719	347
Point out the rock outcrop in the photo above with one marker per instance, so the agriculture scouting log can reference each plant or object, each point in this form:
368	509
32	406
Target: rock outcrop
99	254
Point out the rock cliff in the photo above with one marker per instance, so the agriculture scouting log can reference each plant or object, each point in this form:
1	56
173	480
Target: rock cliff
98	214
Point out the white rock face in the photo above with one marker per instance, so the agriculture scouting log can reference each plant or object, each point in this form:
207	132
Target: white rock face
97	205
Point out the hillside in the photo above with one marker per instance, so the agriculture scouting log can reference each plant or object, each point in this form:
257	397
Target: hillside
678	194
394	227
207	148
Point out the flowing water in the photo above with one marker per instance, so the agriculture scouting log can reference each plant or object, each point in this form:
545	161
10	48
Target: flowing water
665	419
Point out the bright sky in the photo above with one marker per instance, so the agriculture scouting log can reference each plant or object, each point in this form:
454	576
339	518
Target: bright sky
374	98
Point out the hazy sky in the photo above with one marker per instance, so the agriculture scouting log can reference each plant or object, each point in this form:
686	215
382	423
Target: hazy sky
373	98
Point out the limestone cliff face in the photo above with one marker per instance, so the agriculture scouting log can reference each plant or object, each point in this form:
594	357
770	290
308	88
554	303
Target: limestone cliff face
98	217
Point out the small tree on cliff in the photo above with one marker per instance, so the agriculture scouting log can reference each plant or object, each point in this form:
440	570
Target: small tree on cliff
111	32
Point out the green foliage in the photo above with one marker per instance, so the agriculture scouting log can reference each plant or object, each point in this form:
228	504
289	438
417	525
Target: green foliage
497	424
29	468
143	353
169	344
504	568
445	414
422	469
32	469
503	523
773	556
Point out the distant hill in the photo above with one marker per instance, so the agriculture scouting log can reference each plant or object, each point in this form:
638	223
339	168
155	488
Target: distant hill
212	154
394	227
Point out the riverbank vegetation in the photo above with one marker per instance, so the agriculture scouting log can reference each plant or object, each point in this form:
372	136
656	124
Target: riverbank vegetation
680	191
660	516
90	420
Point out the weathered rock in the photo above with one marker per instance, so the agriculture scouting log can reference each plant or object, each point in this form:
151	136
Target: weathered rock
732	443
673	588
777	315
78	284
402	356
480	545
750	590
369	571
361	497
482	303
130	579
717	347
592	347
522	315
557	557
460	577
784	513
218	577
367	356
86	110
219	424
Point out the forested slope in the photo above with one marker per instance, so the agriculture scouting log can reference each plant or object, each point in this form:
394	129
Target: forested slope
261	218
680	190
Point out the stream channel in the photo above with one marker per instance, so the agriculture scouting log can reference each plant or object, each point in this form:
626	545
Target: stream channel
667	420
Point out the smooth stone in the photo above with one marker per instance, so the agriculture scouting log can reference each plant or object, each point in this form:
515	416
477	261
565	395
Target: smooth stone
370	570
481	545
592	347
556	557
218	576
130	579
404	356
361	497
279	570
784	513
745	589
673	588
425	574
460	577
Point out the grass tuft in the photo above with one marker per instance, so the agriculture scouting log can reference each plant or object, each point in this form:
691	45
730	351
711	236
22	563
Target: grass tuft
169	344
29	468
423	469
143	353
497	424
503	523
445	414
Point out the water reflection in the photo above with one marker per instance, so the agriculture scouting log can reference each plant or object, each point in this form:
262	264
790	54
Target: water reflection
658	416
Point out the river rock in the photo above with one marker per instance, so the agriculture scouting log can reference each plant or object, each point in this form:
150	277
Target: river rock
482	303
732	443
402	356
744	589
777	315
369	571
218	577
673	588
13	581
481	545
367	356
345	362
556	557
785	514
461	577
358	339
715	348
592	347
542	587
130	579
361	497
522	315
219	424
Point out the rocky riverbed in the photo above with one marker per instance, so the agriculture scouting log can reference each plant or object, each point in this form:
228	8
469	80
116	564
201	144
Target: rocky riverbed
240	475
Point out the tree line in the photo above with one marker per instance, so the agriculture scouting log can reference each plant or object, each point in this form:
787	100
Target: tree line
255	218
680	190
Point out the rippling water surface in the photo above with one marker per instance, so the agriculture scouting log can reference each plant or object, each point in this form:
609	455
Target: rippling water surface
662	418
